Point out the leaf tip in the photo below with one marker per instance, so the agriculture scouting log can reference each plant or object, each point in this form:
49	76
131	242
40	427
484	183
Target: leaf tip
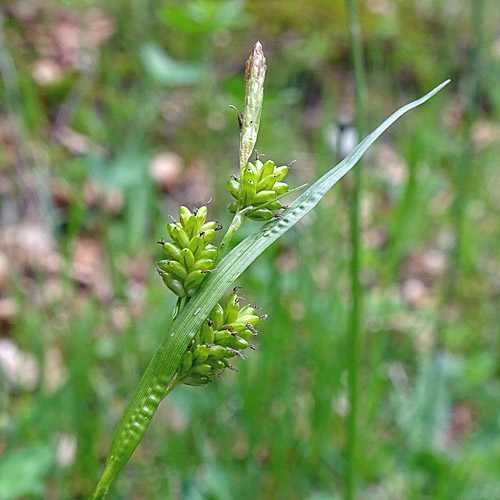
442	85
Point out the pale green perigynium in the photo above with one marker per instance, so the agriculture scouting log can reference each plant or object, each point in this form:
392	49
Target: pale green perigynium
159	378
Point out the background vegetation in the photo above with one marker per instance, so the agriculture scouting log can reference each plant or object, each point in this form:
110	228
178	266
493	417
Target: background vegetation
113	114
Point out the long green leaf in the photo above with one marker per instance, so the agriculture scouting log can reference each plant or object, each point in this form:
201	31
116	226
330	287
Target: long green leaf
152	387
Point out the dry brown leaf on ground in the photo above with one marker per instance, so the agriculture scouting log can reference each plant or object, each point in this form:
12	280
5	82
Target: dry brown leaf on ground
89	268
19	368
30	246
427	264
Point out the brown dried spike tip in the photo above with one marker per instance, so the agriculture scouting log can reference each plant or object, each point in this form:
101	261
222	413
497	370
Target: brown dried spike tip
255	73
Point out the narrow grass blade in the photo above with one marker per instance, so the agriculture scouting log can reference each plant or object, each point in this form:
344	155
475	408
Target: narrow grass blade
154	384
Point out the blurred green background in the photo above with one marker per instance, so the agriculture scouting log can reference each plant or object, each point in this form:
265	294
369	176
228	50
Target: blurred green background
112	114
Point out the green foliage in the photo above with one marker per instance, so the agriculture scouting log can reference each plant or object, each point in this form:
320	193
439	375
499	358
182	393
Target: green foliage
23	472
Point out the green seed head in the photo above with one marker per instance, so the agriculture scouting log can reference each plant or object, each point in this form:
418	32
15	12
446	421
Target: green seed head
190	254
224	334
258	191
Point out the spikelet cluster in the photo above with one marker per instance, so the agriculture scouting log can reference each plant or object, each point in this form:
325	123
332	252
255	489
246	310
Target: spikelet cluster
223	335
259	187
190	256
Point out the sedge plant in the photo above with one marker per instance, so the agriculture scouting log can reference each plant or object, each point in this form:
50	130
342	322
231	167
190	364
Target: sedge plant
207	333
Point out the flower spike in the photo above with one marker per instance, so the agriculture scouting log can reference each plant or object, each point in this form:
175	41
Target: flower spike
257	191
223	335
191	255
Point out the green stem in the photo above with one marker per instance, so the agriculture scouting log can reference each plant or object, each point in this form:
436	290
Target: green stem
102	489
235	225
404	211
356	290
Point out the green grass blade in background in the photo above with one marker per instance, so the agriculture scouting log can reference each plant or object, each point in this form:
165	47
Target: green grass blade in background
153	385
356	312
463	171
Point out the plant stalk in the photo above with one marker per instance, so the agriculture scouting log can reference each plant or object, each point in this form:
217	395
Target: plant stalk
355	322
234	226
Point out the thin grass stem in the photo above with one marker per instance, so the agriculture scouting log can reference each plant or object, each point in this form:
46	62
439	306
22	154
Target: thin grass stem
355	323
463	169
